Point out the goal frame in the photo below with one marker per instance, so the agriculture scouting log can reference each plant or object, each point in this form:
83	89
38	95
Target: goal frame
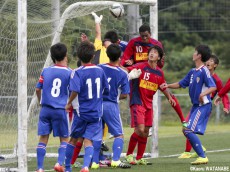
23	113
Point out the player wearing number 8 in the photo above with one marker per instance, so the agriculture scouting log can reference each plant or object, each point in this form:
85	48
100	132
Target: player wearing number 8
52	92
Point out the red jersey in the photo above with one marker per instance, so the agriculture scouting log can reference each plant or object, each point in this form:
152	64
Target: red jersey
219	86
143	88
225	89
138	50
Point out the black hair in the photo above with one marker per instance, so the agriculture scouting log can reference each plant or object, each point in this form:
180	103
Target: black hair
144	28
85	51
112	36
58	52
78	63
215	59
113	52
204	51
159	50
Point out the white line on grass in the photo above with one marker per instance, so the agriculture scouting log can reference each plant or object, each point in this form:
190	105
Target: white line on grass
212	151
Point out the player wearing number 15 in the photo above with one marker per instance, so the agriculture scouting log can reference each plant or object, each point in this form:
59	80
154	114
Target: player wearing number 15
87	85
54	83
142	91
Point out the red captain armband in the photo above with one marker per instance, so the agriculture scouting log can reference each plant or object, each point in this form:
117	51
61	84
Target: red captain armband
41	79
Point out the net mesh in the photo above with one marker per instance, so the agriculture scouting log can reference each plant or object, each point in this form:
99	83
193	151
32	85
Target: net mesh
174	22
41	31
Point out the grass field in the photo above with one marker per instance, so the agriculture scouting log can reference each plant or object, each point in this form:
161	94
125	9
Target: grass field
171	143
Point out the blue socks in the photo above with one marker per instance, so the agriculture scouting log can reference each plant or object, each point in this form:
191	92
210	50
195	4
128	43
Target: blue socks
88	156
41	152
96	152
117	148
68	156
196	144
61	152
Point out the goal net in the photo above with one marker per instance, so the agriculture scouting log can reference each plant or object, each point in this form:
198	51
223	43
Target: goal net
50	22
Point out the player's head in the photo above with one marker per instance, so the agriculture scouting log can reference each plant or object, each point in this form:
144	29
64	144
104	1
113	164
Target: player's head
58	52
112	36
213	62
85	51
204	51
155	52
145	33
113	52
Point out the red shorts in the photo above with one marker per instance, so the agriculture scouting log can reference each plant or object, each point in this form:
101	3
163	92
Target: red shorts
141	115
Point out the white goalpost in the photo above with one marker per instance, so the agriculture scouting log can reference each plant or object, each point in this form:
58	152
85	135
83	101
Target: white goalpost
30	41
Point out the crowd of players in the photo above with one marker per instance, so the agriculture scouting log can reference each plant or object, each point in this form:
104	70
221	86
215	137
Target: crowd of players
110	70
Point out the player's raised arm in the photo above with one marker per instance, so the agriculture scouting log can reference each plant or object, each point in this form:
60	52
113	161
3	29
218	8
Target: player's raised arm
84	37
97	25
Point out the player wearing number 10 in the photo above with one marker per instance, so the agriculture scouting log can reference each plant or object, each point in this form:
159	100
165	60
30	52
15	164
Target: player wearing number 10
54	81
87	85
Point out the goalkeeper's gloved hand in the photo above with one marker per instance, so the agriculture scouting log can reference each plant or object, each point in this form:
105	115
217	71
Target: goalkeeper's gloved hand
135	73
96	18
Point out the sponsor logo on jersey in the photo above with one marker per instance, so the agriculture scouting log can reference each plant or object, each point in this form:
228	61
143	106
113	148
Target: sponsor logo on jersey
197	79
141	56
148	85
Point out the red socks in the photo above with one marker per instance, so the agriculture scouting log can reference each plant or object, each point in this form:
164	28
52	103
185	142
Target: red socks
141	147
76	152
188	146
132	143
178	110
142	141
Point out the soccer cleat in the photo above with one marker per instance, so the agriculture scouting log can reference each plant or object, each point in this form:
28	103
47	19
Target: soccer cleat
58	168
143	161
111	136
194	155
115	164
200	160
2	158
77	165
104	147
105	163
184	124
85	169
95	165
185	155
129	159
40	170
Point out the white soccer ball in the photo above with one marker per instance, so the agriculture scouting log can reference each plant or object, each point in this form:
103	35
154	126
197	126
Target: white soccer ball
117	10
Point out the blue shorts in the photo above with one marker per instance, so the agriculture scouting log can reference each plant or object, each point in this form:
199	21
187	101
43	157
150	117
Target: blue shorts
198	118
91	130
53	119
111	116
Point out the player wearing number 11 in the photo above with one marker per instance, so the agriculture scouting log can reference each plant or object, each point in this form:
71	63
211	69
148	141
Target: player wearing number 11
87	85
54	83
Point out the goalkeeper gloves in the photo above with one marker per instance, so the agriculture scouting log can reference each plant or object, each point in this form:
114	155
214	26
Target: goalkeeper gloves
96	18
135	73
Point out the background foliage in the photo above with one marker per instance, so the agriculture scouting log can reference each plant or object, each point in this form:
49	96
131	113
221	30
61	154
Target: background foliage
185	24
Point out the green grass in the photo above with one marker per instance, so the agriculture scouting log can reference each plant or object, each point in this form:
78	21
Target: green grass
171	142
